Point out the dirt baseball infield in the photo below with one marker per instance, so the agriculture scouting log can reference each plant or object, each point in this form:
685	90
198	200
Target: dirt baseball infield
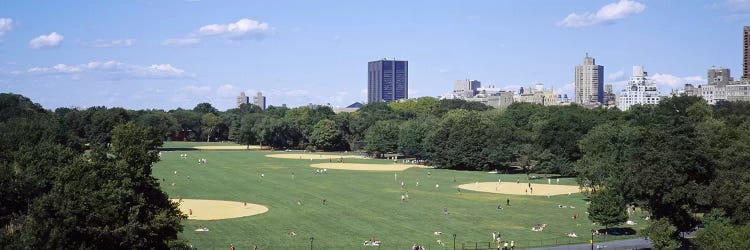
313	156
218	210
236	147
365	167
520	188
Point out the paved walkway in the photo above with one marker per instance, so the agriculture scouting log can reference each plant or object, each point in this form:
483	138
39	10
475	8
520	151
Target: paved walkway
638	243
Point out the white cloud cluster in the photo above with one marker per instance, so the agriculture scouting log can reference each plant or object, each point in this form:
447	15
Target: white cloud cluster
45	41
671	81
738	9
618	75
243	29
113	70
6	24
181	41
606	15
102	43
734	5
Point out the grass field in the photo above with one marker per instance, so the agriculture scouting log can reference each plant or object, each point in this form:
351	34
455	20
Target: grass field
361	205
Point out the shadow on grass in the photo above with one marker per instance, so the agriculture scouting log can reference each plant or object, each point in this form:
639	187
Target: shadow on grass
177	149
617	231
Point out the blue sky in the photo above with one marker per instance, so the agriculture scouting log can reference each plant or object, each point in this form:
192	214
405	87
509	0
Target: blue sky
168	54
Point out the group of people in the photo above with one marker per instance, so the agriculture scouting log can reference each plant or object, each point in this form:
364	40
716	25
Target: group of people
405	196
512	245
202	161
183	156
538	228
417	247
372	242
319	171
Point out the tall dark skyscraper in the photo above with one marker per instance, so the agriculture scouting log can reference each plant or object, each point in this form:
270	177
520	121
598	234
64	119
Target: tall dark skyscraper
387	80
746	53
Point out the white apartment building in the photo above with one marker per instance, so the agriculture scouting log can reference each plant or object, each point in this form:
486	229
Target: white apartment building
639	90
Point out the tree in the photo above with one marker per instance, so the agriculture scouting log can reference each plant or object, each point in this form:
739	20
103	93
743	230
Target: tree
382	138
109	200
606	149
423	106
305	118
455	144
720	233
277	133
411	138
451	104
159	124
662	234
99	121
189	123
561	129
205	108
209	122
674	167
326	136
607	209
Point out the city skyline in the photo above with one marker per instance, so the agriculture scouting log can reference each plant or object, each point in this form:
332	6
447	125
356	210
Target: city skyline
130	55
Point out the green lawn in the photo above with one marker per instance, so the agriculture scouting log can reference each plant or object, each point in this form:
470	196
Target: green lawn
360	205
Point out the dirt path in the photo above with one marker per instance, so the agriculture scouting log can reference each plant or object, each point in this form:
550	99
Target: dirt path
520	188
217	210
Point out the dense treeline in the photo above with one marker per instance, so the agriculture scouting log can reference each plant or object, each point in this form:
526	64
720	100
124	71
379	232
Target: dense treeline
680	160
53	195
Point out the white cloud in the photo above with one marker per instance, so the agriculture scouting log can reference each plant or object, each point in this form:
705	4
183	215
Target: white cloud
51	40
738	9
227	90
59	68
606	15
413	92
668	81
112	70
620	74
736	6
242	29
197	89
102	43
6	24
181	41
567	89
512	87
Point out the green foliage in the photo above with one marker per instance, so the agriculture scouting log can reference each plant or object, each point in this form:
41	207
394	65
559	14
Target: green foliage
673	167
52	197
205	108
423	106
277	133
663	235
305	118
189	123
411	138
452	104
326	136
607	209
561	129
209	124
382	138
460	141
719	233
606	149
160	125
